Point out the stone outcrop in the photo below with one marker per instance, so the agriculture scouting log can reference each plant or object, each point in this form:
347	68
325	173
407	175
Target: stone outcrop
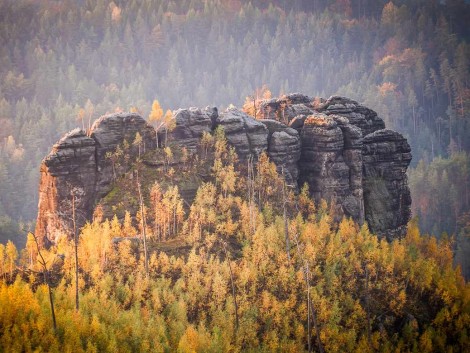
337	146
247	135
387	197
284	149
111	131
286	108
69	169
364	118
77	172
190	125
329	164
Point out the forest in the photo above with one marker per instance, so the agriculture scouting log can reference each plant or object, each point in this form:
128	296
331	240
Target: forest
226	275
217	275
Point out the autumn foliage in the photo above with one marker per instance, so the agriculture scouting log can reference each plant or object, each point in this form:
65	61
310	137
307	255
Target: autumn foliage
220	279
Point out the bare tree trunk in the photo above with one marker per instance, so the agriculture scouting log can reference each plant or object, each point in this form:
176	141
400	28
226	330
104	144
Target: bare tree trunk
51	302
114	171
309	338
42	262
75	240
254	106
310	309
233	287
144	235
368	307
251	194
317	328
284	205
89	125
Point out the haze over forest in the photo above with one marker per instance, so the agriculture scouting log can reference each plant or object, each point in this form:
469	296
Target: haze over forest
63	64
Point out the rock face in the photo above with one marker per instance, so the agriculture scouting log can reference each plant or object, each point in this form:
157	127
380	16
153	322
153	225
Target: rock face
69	169
331	165
340	148
111	131
190	125
387	197
284	149
362	117
77	172
247	135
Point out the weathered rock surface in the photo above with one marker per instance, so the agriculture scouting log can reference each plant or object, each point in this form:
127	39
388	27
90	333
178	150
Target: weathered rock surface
69	169
77	173
111	131
322	165
190	125
387	197
364	118
286	108
340	148
284	149
247	135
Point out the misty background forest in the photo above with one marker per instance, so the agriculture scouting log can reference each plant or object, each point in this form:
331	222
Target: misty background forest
65	63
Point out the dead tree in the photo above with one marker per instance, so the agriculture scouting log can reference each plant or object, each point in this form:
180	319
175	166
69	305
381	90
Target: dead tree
251	194
45	271
144	234
75	241
310	308
284	207
227	256
70	213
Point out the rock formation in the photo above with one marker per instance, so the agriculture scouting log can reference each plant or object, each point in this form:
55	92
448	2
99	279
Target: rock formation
387	198
340	148
190	124
247	135
77	172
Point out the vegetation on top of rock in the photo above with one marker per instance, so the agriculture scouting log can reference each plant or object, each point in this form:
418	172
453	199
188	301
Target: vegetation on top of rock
327	151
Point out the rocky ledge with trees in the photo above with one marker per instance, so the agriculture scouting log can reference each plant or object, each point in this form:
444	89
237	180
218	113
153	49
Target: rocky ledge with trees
338	147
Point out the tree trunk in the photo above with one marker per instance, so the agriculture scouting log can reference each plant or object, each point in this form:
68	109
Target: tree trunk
286	226
75	240
368	307
233	287
51	302
42	262
144	235
310	309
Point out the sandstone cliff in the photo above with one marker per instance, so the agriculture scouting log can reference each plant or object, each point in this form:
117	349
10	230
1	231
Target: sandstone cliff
340	148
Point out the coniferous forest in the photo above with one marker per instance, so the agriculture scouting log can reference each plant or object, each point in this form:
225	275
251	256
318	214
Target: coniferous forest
219	274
